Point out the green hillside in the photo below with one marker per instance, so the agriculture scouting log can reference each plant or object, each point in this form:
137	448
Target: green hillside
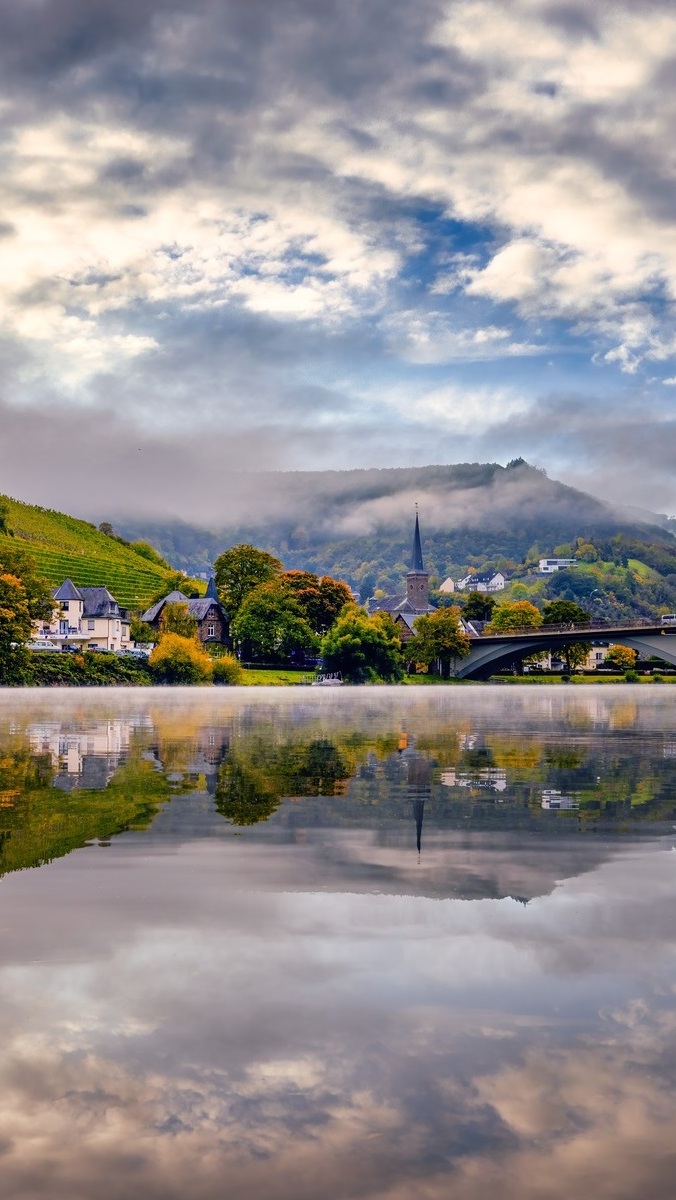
64	546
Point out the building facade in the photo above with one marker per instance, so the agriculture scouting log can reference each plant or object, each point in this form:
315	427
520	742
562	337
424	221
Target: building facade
213	623
86	618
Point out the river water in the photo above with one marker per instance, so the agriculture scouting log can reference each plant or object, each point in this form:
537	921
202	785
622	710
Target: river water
386	944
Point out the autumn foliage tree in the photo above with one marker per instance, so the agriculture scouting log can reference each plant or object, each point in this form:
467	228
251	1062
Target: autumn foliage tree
513	616
179	660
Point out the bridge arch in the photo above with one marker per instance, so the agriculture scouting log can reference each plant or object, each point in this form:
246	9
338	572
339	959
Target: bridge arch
486	656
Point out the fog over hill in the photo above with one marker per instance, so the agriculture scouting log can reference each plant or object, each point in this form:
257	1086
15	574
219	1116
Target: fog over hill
349	522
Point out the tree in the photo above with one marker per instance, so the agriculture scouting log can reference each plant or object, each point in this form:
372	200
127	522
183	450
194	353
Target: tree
239	570
139	631
179	660
520	614
271	624
15	629
478	607
226	670
564	612
623	657
574	654
363	648
15	561
177	618
321	599
438	637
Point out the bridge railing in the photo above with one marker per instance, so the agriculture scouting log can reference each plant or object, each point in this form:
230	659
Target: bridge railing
611	628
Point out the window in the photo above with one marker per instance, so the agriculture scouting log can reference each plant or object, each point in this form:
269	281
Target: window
91	624
64	605
211	630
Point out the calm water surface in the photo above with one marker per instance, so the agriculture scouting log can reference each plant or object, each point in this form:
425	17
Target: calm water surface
371	944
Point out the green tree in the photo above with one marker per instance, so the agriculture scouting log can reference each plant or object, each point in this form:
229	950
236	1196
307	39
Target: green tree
564	612
520	614
226	670
478	607
622	657
241	569
179	660
574	654
363	648
271	624
585	552
139	631
177	618
438	637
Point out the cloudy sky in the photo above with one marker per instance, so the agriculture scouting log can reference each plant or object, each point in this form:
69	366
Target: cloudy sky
237	234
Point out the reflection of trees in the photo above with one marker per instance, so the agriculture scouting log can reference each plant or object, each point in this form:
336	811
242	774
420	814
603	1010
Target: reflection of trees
253	781
38	822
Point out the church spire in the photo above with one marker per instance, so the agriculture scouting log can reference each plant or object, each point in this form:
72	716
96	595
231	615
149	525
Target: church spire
416	557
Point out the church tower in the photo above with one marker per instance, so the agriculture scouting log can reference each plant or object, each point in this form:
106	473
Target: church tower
418	579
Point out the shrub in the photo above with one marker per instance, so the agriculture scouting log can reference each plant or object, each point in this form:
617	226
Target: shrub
226	670
631	676
179	660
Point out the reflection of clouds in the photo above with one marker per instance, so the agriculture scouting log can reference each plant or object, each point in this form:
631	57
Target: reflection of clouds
221	1034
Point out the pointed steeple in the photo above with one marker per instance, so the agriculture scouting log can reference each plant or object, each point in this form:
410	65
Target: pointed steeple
417	557
212	591
418	579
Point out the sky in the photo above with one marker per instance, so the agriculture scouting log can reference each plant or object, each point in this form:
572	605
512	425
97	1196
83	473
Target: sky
238	235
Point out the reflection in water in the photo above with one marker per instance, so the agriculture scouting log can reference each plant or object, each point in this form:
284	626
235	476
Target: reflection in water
260	990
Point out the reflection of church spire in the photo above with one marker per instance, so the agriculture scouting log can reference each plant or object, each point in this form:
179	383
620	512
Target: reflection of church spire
418	776
418	813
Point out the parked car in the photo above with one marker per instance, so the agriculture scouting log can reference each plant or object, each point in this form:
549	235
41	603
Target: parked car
42	644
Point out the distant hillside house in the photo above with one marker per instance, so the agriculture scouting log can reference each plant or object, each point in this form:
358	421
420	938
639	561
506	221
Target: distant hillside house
547	566
404	608
89	618
489	581
213	623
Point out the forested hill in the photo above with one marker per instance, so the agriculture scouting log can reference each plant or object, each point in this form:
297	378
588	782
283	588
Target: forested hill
357	525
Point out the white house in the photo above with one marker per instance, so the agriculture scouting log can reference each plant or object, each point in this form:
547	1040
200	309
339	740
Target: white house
547	566
490	581
86	617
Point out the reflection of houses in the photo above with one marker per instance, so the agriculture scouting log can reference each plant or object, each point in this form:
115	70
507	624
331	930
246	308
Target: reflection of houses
415	601
86	617
555	801
83	758
213	623
491	778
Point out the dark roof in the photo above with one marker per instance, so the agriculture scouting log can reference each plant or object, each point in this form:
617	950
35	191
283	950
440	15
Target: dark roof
67	591
485	576
198	608
212	590
98	602
417	557
173	598
397	604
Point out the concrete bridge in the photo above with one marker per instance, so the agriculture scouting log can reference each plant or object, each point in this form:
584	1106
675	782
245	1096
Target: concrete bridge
494	652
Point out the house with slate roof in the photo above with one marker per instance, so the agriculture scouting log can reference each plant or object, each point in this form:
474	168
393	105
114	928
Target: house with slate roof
213	623
404	608
88	618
